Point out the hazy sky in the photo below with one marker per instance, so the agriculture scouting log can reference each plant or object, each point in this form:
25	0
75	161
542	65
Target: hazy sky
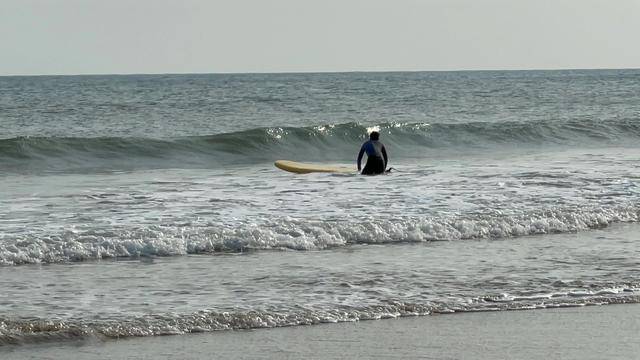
162	36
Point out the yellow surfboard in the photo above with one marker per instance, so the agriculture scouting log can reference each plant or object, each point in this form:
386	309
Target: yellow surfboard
302	168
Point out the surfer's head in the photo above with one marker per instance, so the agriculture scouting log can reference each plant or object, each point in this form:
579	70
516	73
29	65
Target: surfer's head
374	135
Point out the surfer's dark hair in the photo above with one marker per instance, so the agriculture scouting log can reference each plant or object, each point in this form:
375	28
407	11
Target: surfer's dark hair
374	135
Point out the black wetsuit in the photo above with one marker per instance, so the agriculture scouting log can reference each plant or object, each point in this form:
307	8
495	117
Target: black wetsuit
376	157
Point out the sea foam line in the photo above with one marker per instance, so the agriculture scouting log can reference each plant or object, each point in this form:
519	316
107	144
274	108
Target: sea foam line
295	234
19	331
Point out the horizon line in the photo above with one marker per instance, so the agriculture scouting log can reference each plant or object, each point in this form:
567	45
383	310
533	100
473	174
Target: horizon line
319	72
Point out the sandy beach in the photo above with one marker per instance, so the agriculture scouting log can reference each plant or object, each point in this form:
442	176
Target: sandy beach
592	332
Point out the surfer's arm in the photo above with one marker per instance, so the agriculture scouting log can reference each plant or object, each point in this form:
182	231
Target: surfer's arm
360	154
386	158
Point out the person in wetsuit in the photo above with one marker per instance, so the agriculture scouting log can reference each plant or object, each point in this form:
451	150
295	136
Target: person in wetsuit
376	155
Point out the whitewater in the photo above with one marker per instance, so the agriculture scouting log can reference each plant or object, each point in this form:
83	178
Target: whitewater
146	205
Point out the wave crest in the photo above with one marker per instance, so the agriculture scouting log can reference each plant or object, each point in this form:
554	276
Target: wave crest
313	143
296	234
16	332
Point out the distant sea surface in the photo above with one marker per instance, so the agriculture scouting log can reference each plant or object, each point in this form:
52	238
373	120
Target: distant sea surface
145	205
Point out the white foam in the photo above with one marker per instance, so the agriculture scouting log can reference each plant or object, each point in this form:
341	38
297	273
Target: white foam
290	233
373	128
40	330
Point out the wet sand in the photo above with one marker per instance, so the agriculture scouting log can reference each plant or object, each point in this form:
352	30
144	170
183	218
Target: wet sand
593	332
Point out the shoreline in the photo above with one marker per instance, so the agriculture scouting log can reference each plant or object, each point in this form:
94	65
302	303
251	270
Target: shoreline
589	332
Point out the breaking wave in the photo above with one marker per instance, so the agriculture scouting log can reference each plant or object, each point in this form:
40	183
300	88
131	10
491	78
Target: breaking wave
28	331
295	234
314	143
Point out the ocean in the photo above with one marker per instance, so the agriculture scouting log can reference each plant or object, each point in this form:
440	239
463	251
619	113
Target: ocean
144	205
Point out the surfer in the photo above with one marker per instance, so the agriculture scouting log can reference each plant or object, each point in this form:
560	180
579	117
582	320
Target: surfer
376	155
